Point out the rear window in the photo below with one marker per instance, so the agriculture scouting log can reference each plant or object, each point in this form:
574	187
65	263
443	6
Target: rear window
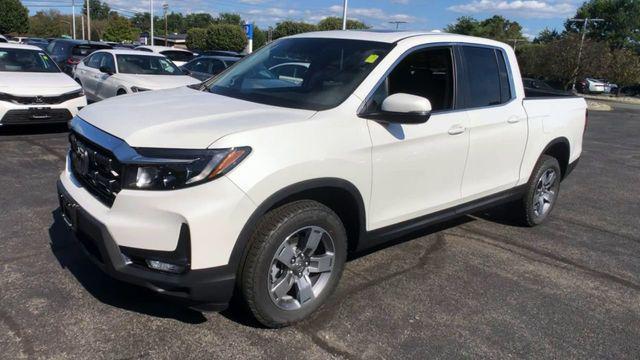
86	49
483	77
174	55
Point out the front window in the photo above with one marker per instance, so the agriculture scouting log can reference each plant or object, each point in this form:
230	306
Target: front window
146	65
327	72
22	60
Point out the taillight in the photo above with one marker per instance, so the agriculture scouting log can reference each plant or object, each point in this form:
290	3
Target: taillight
72	61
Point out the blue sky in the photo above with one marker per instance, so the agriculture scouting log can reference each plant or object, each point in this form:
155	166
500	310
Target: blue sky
533	15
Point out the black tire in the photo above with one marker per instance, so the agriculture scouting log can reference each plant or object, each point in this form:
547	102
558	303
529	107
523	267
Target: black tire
121	92
529	211
268	238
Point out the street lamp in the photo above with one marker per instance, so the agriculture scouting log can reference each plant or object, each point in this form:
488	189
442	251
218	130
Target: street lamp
151	18
585	22
344	15
165	7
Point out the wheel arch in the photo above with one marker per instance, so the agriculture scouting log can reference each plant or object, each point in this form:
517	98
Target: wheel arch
339	195
560	149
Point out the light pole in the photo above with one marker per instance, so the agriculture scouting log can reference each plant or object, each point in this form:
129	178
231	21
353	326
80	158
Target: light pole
397	23
585	22
88	21
515	42
73	17
344	15
151	20
165	7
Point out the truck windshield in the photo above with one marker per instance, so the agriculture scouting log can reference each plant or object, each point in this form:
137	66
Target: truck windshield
304	73
146	65
23	60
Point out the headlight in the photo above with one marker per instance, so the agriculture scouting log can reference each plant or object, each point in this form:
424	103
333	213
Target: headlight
138	89
5	97
168	169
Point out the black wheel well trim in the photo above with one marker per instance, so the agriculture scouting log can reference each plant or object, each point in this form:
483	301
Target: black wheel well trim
290	193
564	163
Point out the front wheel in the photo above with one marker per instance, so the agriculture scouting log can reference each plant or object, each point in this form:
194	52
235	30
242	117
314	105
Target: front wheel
542	192
294	263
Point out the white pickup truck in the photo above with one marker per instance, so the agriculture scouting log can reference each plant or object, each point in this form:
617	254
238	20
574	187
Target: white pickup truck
259	183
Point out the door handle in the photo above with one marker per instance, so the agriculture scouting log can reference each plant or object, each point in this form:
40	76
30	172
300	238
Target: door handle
457	129
513	120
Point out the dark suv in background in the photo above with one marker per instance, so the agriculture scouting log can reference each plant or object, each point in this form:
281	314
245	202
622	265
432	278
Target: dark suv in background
68	53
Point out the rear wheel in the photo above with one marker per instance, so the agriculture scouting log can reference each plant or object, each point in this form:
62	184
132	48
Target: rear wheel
121	92
542	192
295	261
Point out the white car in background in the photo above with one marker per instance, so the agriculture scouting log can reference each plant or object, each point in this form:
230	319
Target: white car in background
178	56
33	89
107	73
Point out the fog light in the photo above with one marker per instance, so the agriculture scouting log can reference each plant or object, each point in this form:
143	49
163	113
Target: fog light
127	260
163	266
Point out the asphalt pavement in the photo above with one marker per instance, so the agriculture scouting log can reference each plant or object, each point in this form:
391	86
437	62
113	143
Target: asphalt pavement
476	287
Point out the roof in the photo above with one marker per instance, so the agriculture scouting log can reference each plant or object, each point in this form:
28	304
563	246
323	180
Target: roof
390	36
19	46
157	48
129	52
219	57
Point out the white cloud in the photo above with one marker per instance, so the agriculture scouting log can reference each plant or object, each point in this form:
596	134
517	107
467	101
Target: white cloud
370	13
524	8
253	2
402	2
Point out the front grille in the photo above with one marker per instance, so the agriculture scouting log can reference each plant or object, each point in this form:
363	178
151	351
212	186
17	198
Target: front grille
41	100
96	168
35	116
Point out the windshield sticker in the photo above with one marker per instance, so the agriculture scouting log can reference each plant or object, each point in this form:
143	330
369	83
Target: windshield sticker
371	59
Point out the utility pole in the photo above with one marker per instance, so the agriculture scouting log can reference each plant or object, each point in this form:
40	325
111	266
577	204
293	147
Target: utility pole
344	15
165	7
515	42
73	17
397	23
88	21
585	22
82	25
270	34
151	20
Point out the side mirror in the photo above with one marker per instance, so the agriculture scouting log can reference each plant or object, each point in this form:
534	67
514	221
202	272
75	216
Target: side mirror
106	70
402	108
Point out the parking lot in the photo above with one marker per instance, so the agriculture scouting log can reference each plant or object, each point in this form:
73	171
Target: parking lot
475	287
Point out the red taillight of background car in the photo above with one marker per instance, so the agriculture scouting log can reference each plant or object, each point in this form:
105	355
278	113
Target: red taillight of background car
72	61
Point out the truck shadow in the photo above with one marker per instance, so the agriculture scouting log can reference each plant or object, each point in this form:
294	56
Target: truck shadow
106	289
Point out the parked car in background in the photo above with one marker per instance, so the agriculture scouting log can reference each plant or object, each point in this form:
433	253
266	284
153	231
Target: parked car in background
33	90
260	186
39	42
18	39
218	53
204	67
178	56
535	86
107	73
595	86
3	39
68	53
632	90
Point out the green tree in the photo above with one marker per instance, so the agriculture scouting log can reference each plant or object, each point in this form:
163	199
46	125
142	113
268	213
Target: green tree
228	18
98	9
49	23
624	68
197	39
14	17
496	28
546	36
288	27
175	23
621	25
120	29
225	37
259	38
335	23
198	20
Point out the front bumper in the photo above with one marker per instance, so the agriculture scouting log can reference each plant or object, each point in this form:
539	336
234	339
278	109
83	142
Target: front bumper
20	114
209	289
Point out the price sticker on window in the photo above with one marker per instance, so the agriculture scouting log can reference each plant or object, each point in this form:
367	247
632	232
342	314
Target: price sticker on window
371	58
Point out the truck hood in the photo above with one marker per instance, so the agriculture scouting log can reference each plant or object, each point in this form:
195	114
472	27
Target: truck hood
182	118
31	83
157	82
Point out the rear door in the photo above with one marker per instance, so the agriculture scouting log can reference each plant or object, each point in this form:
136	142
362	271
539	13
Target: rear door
497	122
106	84
88	74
